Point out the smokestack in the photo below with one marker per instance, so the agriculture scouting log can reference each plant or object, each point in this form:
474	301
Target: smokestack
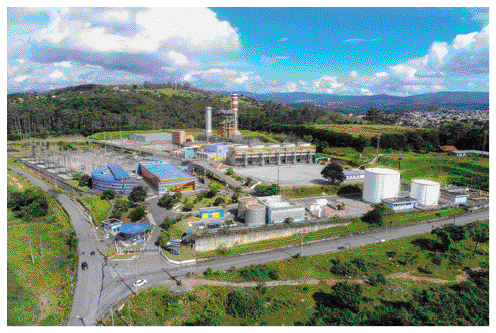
208	121
234	107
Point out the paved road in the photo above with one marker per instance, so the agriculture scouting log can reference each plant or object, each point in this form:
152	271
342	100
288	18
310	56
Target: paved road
121	286
89	282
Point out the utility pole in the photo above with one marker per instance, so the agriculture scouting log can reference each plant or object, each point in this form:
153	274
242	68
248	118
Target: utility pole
31	247
484	143
112	312
41	246
129	310
378	139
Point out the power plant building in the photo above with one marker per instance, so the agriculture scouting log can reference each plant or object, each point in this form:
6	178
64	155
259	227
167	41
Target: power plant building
454	194
255	214
272	154
113	177
167	178
379	184
178	137
279	208
151	137
354	174
219	149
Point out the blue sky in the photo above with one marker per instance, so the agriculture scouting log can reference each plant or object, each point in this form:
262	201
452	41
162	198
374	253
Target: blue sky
351	51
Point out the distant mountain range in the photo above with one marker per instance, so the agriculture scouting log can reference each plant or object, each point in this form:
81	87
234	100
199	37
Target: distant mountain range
449	100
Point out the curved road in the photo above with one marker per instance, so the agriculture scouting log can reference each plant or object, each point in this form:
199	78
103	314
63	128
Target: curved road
106	282
89	282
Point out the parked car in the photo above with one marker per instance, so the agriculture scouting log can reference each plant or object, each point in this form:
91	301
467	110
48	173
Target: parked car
84	266
140	283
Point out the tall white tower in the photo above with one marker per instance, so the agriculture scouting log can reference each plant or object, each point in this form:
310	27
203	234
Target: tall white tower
234	107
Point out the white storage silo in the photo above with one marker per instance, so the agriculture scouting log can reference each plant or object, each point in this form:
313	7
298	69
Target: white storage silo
243	203
380	183
425	191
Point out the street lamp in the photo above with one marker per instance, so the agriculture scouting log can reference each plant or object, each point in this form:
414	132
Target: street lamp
81	320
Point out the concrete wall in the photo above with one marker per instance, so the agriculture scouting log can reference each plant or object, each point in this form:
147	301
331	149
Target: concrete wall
213	243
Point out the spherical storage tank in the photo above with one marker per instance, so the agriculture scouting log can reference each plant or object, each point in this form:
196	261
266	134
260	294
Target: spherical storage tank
255	214
425	191
243	203
380	183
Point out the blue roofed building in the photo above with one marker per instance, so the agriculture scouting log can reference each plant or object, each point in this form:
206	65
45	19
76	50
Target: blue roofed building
166	177
400	203
134	232
113	177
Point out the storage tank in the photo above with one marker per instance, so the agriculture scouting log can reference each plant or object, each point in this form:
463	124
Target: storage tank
255	214
288	144
257	146
425	191
241	147
243	203
273	145
304	144
380	183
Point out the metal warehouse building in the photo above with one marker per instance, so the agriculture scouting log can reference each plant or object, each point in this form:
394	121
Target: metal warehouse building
151	137
166	178
113	177
258	154
279	208
220	149
354	174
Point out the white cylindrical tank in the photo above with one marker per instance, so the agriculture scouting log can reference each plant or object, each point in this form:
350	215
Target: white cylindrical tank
241	147
257	146
273	145
380	183
304	144
243	203
425	191
288	144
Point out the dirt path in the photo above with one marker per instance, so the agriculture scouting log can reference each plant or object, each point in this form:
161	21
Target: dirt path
190	284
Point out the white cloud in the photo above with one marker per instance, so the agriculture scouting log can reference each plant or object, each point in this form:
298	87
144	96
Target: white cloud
365	91
381	74
438	87
21	78
241	79
282	39
65	64
188	77
329	91
178	58
354	74
470	84
21	61
56	75
303	83
360	40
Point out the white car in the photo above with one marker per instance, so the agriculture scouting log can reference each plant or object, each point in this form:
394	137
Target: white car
140	283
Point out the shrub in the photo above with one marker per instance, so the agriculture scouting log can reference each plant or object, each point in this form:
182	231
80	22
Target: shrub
342	269
208	272
108	194
85	180
137	214
219	201
138	194
244	304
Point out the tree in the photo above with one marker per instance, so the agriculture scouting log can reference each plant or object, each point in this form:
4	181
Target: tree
230	172
214	190
108	194
376	215
334	173
347	296
85	180
138	194
219	201
288	220
267	190
244	304
479	234
137	214
373	115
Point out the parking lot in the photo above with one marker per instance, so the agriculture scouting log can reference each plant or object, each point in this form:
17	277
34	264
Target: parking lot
289	175
354	206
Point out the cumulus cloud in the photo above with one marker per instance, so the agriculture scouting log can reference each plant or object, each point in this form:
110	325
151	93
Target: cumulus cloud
21	78
177	58
272	60
65	64
56	74
282	39
381	74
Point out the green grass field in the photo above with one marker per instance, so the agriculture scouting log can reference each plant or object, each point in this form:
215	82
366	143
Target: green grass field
367	131
40	293
355	227
436	166
177	92
288	305
99	208
378	255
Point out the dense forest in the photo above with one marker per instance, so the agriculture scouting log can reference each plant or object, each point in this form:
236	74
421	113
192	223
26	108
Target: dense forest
93	108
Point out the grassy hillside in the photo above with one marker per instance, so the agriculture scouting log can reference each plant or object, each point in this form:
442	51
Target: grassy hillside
39	293
367	131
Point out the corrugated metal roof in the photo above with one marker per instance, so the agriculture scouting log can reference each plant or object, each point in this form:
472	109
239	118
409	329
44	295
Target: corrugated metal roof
118	171
448	148
166	171
400	200
210	209
135	228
